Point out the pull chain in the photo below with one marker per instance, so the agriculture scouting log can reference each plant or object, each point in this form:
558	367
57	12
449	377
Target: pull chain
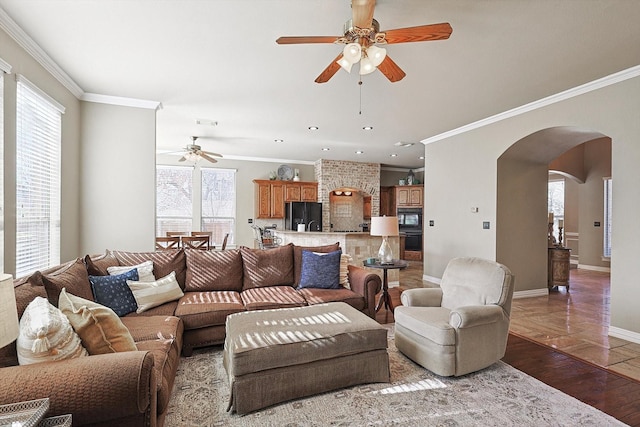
360	84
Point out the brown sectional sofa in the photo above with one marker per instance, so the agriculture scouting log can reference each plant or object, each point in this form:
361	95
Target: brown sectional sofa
133	388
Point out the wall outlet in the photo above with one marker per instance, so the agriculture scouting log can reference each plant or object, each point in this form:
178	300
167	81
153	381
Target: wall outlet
596	224
431	223
486	225
250	221
474	210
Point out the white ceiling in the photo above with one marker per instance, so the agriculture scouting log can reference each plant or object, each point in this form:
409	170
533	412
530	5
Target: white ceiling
218	60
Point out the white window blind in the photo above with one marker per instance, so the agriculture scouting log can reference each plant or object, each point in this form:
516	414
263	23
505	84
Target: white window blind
174	199
219	203
38	146
607	218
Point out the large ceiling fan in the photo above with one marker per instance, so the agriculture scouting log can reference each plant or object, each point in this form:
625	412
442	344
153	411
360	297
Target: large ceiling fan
194	152
362	34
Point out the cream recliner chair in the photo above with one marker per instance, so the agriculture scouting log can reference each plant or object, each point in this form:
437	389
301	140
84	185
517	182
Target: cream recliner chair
463	325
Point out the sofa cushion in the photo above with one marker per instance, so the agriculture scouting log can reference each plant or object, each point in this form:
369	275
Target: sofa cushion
148	328
113	292
202	309
320	270
267	267
166	309
271	297
97	265
297	257
164	262
153	294
144	271
214	271
100	329
319	296
73	276
46	335
165	363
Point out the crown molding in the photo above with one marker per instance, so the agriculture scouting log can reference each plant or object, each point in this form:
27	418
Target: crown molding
5	67
32	48
268	160
121	101
400	169
611	79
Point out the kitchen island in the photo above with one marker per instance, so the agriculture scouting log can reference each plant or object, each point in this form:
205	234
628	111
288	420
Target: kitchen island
360	245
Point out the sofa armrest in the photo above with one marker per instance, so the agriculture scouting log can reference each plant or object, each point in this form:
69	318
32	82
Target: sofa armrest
102	388
422	297
469	316
367	284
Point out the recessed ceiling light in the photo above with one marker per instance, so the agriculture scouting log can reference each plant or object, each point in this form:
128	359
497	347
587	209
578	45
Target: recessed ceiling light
313	128
404	144
279	141
368	128
326	149
394	155
359	152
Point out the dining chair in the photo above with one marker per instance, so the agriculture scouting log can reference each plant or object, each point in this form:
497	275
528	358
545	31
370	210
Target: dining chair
195	242
176	233
224	242
209	234
165	243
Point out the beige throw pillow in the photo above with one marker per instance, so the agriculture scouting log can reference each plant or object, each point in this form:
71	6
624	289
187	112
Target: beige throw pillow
145	271
153	294
45	335
100	329
345	260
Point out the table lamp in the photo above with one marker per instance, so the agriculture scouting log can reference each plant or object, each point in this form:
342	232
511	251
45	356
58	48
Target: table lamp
9	326
384	226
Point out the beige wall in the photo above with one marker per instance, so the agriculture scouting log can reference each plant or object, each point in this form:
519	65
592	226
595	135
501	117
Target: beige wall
24	64
247	171
460	171
118	178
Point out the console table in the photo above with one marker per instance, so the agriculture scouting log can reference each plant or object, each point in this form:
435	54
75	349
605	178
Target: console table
558	262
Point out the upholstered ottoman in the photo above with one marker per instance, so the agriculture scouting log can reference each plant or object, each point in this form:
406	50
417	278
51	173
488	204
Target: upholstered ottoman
276	355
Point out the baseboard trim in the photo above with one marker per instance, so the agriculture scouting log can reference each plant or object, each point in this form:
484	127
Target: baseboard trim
431	279
594	268
624	334
531	293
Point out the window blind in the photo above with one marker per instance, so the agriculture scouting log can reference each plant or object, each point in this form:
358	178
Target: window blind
174	195
38	146
3	70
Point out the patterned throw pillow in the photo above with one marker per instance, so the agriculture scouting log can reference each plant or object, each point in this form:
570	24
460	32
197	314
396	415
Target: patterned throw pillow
320	270
153	294
145	271
46	335
113	292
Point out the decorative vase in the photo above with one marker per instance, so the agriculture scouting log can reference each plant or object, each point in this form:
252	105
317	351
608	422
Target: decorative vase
296	175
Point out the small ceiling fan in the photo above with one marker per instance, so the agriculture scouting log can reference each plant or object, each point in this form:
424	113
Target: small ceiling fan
194	152
362	34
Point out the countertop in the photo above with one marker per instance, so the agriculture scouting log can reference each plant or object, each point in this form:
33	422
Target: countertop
318	232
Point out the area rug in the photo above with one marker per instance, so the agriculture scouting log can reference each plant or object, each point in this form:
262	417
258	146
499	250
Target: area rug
497	396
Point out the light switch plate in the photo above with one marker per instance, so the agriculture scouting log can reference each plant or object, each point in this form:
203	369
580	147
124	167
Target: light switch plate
486	225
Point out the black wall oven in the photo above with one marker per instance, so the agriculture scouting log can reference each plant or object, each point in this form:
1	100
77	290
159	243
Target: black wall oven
410	223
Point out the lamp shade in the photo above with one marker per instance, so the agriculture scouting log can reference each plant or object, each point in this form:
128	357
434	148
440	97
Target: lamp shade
384	226
9	326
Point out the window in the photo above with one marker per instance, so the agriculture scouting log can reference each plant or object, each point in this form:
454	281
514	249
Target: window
607	218
38	146
218	203
556	200
3	67
174	199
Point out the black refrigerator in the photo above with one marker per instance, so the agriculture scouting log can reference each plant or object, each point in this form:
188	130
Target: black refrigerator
307	213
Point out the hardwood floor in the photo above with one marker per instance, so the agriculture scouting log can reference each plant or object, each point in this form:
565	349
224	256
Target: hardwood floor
561	339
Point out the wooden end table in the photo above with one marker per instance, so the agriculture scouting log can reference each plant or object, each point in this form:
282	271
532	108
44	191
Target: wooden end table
385	297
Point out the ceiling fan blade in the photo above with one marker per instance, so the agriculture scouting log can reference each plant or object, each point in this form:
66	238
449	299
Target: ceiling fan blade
391	70
206	157
209	153
362	11
328	72
307	39
421	33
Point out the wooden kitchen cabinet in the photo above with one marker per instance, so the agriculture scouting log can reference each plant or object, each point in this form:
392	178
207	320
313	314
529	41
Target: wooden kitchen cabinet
409	196
366	207
387	201
271	196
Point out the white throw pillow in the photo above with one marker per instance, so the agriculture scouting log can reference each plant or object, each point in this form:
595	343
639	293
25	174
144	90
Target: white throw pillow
345	260
46	334
145	271
153	294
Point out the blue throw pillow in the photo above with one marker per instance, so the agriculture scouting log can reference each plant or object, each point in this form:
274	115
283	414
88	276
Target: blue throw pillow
320	270
113	292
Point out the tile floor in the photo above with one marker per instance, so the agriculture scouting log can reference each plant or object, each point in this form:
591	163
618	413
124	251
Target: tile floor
574	322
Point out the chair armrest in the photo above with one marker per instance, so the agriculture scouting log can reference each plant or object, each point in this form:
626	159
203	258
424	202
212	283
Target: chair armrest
475	315
95	389
367	284
422	297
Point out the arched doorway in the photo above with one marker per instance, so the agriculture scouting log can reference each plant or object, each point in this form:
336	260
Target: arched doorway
521	211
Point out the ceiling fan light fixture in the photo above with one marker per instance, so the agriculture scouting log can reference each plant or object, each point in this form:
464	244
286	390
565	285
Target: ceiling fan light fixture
352	52
376	54
345	64
366	66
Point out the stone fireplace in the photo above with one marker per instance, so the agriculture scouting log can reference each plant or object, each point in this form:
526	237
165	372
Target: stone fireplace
353	176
